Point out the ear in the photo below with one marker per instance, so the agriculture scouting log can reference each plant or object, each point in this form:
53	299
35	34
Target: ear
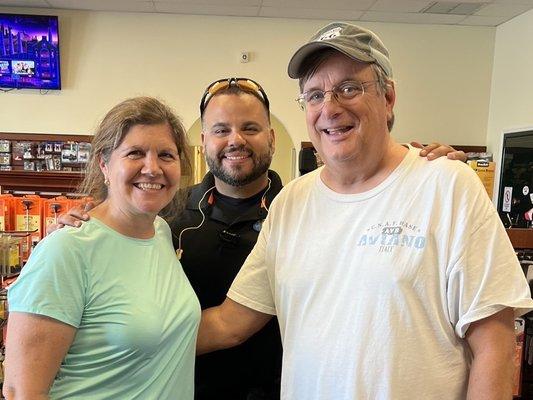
103	167
273	139
202	135
390	98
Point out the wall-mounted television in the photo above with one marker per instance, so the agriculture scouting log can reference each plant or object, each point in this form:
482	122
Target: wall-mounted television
29	52
515	201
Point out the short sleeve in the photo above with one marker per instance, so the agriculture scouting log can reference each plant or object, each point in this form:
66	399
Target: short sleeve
53	282
487	277
252	286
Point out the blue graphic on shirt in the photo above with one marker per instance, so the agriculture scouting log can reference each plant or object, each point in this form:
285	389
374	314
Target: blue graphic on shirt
390	235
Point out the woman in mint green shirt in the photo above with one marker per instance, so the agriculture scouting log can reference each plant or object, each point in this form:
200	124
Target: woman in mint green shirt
105	311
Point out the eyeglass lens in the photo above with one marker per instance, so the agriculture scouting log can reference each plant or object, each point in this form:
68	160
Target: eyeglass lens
345	92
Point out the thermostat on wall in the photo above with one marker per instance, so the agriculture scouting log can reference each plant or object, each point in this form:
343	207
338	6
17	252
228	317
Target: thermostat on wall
245	56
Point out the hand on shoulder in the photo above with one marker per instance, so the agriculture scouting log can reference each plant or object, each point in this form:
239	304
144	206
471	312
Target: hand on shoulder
74	217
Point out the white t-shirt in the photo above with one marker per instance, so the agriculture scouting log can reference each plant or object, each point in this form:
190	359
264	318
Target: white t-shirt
374	292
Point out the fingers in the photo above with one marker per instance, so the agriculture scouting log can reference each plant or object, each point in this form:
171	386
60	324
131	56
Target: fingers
457	155
80	212
69	220
440	150
433	150
53	227
75	216
89	205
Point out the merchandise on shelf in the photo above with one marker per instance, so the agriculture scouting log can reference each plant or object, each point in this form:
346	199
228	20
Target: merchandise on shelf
484	167
43	155
10	255
28	211
28	216
7	212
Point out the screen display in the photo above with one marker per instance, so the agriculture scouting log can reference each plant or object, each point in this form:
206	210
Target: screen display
29	52
4	67
515	202
26	67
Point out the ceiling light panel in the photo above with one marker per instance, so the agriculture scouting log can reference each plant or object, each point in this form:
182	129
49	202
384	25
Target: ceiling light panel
221	3
412	18
316	4
400	5
452	7
308	13
467	8
500	10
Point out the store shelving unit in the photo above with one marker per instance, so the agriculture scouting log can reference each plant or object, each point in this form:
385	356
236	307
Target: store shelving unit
47	183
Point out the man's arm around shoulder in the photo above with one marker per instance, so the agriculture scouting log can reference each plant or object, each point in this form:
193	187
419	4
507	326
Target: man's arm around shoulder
228	325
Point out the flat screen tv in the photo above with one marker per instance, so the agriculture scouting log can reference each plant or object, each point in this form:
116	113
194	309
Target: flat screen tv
515	201
29	52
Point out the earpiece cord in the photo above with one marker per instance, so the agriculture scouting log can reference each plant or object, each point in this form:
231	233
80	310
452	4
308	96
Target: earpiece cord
179	251
263	199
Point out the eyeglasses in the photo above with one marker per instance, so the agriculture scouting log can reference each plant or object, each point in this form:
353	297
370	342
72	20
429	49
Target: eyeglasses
245	84
345	93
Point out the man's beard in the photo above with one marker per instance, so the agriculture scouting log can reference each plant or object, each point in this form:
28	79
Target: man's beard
235	177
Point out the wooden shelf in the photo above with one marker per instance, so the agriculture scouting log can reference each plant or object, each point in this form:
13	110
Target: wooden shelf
39	137
521	238
47	181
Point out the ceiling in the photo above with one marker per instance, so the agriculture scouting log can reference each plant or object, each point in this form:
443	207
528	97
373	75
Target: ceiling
466	12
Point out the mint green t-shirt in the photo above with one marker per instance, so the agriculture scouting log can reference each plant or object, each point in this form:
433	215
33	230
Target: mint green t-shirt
135	312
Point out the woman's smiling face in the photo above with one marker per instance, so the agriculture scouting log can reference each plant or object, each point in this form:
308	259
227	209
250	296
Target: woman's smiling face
143	171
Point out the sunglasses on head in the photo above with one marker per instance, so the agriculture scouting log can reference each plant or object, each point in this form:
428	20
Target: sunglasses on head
245	84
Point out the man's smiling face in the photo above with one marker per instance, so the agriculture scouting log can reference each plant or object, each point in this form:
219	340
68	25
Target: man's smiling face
237	138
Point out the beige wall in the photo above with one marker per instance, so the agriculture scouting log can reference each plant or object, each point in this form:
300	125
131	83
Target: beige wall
511	106
443	72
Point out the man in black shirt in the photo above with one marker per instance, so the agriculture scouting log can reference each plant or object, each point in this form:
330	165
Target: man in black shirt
219	228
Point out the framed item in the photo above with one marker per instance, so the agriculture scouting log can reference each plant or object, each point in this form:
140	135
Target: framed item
84	150
29	166
5	146
69	153
5	159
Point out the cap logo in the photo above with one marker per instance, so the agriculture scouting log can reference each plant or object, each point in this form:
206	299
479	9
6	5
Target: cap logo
332	33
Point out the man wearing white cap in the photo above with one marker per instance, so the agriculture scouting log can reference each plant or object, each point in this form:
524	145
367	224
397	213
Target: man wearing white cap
391	277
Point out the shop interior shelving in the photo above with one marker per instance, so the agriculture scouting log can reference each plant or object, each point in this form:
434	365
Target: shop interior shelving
47	183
